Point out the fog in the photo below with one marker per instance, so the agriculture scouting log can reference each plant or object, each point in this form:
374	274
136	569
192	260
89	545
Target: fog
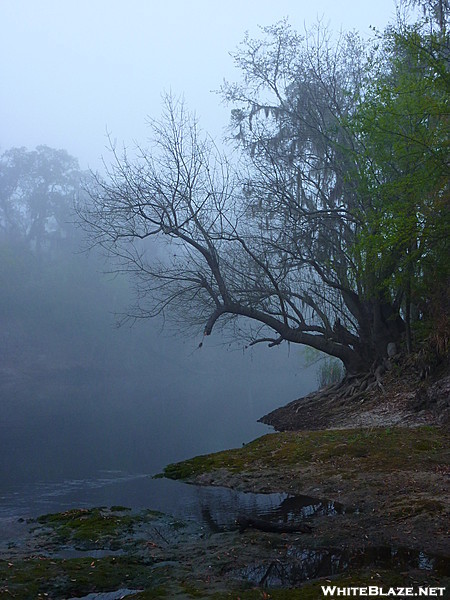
79	396
151	401
73	71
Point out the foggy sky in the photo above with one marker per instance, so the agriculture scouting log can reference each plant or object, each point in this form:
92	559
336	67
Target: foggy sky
70	72
73	71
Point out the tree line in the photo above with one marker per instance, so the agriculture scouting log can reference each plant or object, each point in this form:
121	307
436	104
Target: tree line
55	302
327	223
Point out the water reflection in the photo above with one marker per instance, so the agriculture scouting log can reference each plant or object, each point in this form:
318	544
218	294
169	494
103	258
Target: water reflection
220	507
216	507
294	507
302	564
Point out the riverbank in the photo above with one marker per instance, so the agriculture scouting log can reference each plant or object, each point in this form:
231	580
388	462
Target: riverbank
393	480
387	524
362	505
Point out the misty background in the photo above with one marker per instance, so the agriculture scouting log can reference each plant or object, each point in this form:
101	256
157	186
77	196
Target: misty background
87	404
79	396
73	71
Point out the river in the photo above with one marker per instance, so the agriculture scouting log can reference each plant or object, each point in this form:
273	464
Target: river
86	438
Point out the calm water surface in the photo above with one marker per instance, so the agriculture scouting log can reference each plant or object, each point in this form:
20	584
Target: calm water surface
86	439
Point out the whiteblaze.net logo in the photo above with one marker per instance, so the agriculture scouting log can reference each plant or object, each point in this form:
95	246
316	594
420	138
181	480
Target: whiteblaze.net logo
334	591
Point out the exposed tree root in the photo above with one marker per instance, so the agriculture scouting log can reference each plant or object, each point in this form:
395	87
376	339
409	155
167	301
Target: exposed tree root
383	395
264	525
352	387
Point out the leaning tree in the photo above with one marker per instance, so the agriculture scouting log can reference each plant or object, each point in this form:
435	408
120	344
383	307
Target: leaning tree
276	233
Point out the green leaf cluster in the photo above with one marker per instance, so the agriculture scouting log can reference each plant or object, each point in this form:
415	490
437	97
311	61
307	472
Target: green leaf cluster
402	165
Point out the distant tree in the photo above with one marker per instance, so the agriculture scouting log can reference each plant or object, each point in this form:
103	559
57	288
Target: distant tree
280	240
55	306
37	193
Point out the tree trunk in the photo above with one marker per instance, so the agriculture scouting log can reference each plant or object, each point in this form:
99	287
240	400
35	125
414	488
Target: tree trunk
408	316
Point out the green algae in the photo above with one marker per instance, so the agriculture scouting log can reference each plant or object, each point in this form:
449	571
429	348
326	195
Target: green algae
58	578
94	525
376	450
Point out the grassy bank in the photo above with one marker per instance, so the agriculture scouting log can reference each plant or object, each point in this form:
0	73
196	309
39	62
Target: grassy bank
349	451
395	480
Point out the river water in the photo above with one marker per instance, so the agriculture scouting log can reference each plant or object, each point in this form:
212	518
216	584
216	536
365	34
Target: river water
82	438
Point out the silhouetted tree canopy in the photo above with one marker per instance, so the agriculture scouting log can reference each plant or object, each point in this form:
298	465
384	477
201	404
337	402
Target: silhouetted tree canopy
323	225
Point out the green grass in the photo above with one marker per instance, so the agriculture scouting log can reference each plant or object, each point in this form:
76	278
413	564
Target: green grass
379	449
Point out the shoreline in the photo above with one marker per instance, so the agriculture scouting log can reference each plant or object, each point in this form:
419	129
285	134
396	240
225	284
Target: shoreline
379	514
391	526
398	495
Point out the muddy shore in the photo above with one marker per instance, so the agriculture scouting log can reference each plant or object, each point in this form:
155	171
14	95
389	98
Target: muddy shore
379	515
